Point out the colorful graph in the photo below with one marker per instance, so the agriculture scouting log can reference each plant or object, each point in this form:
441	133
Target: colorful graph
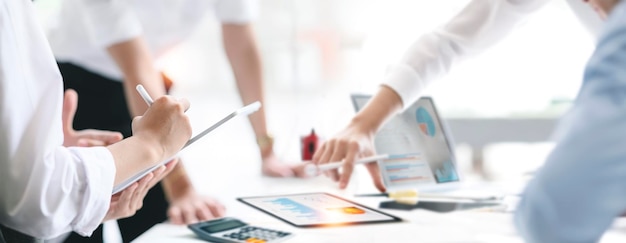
296	209
425	122
347	210
446	173
405	169
315	209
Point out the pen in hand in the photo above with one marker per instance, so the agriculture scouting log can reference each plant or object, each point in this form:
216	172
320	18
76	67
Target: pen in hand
146	97
144	94
246	110
313	170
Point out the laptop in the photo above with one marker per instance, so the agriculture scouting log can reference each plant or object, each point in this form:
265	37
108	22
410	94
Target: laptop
421	135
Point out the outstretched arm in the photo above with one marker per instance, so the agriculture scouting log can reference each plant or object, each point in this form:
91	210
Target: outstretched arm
479	25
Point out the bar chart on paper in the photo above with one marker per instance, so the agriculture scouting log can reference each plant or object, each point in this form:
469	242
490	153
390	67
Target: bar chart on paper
407	169
446	173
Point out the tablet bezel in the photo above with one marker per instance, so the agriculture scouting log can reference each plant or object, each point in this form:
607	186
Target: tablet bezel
393	218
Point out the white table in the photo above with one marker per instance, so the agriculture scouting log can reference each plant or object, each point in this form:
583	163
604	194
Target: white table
225	164
419	225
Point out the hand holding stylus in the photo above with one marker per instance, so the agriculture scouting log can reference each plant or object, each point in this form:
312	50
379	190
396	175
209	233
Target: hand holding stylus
313	170
246	110
177	108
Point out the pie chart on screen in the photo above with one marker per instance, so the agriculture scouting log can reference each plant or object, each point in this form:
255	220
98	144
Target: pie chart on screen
425	122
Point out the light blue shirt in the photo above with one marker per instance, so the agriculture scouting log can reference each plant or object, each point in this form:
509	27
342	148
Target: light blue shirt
582	186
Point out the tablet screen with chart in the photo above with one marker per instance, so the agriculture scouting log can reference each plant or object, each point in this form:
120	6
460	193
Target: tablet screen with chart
317	210
418	132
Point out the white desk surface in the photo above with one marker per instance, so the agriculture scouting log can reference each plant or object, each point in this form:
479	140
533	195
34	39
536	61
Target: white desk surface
226	165
419	225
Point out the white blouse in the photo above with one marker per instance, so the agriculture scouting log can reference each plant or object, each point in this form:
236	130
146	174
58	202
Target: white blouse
45	189
481	24
82	30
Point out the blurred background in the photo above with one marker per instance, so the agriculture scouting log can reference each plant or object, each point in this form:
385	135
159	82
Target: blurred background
317	52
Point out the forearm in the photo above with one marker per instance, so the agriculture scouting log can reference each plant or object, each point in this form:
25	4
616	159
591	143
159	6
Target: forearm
177	182
385	104
134	60
133	155
243	54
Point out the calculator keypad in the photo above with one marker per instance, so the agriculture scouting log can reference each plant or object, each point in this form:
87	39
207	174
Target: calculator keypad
251	234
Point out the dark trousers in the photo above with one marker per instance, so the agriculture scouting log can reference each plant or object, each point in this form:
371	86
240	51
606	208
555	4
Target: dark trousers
8	235
102	105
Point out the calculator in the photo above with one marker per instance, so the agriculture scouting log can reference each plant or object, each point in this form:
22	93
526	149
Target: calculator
231	230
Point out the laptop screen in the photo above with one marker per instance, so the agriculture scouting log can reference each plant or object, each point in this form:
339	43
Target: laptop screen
417	136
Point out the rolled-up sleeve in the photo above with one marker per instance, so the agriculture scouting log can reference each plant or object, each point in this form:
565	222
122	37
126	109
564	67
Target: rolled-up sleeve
478	26
67	189
110	21
582	186
95	171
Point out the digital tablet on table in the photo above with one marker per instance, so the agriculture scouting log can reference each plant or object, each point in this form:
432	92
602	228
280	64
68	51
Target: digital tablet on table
317	210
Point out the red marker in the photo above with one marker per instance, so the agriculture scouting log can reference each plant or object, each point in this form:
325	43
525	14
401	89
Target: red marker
309	145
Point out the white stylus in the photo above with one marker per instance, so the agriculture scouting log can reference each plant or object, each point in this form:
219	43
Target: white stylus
246	110
313	170
144	94
249	109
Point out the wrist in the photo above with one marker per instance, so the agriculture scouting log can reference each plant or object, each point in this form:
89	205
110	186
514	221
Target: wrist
175	194
384	105
175	190
68	137
363	125
151	147
177	184
265	144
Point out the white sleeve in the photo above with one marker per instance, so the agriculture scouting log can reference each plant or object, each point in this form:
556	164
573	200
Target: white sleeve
236	11
587	17
45	188
478	26
110	21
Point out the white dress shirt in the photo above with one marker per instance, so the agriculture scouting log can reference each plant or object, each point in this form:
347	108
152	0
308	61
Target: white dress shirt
84	29
480	25
45	188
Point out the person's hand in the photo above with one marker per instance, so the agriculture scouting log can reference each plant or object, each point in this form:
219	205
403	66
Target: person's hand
348	145
190	207
82	138
165	124
274	167
125	203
